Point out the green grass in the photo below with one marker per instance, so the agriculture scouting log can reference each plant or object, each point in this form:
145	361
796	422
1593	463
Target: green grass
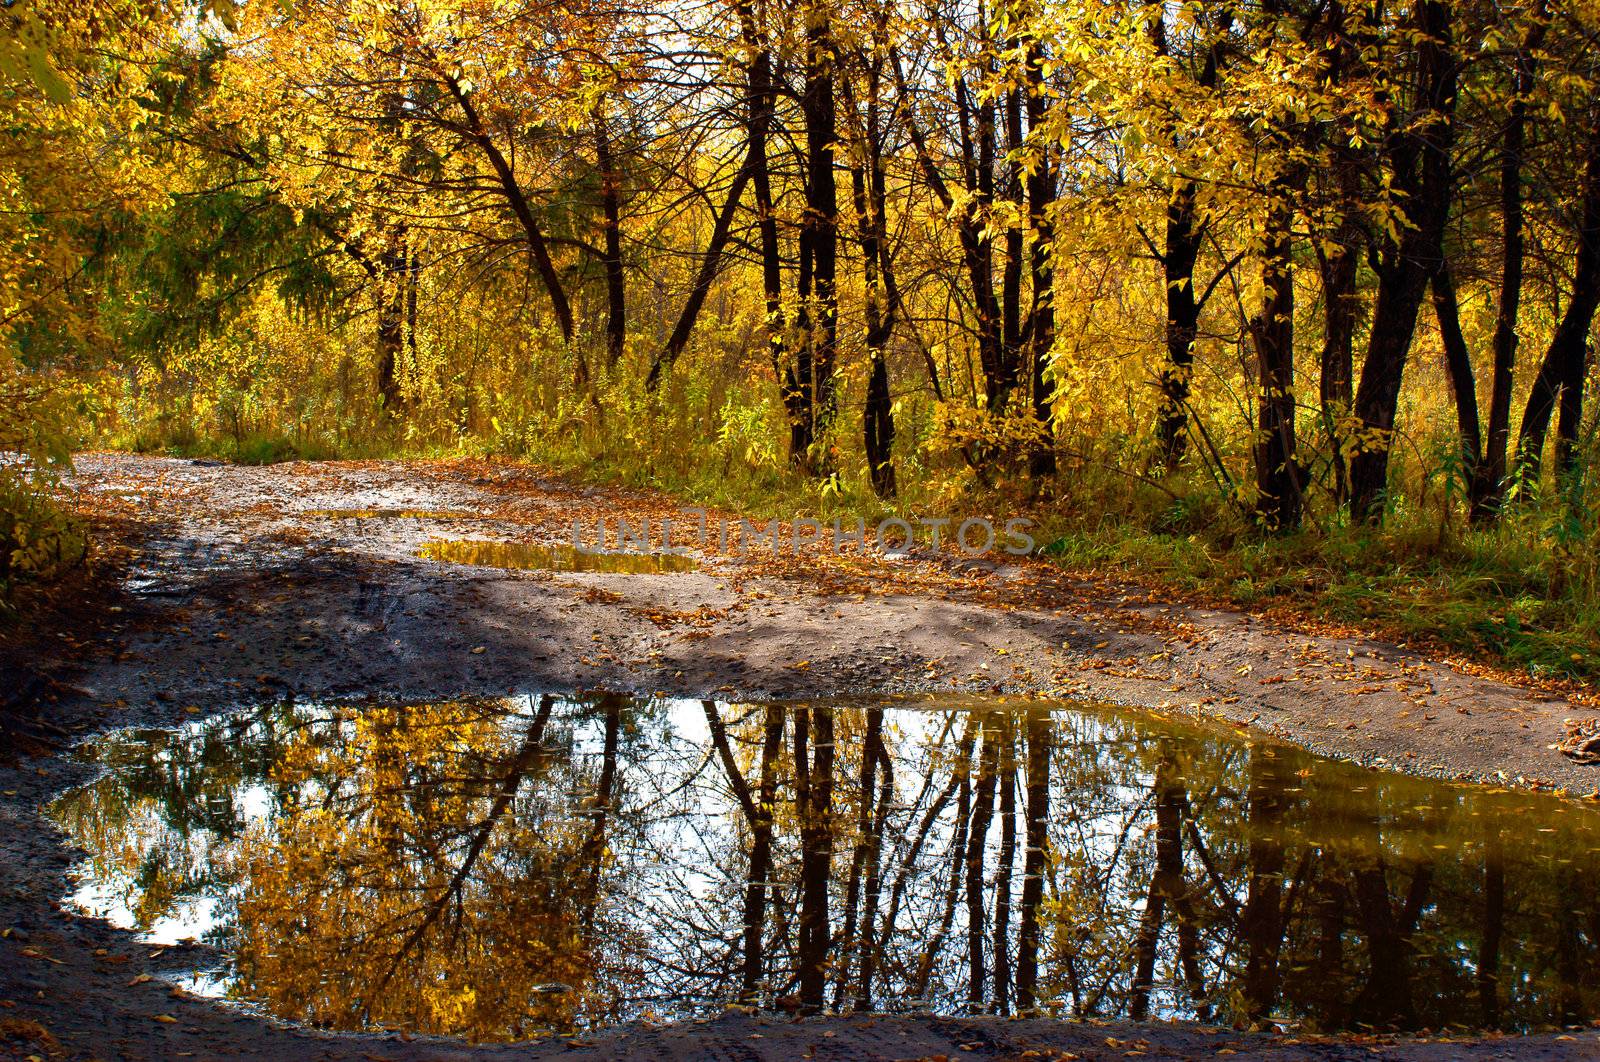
1490	594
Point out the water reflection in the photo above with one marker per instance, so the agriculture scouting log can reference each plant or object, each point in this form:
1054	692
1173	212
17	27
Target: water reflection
391	514
493	869
558	558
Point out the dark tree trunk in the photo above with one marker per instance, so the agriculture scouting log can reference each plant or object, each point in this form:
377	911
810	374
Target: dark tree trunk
1339	260
758	126
865	841
874	887
1000	370
538	247
1042	314
1458	365
1261	922
958	860
758	809
881	302
1001	945
1486	491
392	323
819	242
1341	307
1178	257
592	858
1011	273
1570	416
1278	486
1033	861
878	425
1562	371
611	208
813	726
1166	883
1180	251
977	844
1421	157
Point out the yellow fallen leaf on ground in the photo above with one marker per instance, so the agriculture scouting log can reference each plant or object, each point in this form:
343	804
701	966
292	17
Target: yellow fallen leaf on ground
164	1019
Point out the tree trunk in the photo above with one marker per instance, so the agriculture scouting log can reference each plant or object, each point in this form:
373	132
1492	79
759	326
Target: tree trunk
1278	489
880	309
819	230
1261	922
611	208
1183	322
1458	365
391	323
1042	314
592	858
1562	371
1180	251
1001	945
538	247
758	124
1422	168
1000	372
977	845
1011	272
1339	266
1339	261
813	805
1166	883
1033	860
869	913
958	860
866	785
1487	489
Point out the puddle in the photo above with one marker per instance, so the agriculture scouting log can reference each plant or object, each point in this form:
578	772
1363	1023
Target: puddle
390	514
556	558
499	869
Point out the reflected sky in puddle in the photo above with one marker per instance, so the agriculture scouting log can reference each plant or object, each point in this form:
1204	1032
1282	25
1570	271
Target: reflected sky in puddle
496	869
555	558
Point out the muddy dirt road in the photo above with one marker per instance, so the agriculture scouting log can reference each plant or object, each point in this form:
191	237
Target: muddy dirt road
247	585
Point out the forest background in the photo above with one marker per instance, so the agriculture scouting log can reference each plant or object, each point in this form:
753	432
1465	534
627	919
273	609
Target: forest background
1283	302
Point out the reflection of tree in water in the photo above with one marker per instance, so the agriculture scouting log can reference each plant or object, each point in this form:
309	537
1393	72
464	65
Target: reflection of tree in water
152	827
491	869
427	872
